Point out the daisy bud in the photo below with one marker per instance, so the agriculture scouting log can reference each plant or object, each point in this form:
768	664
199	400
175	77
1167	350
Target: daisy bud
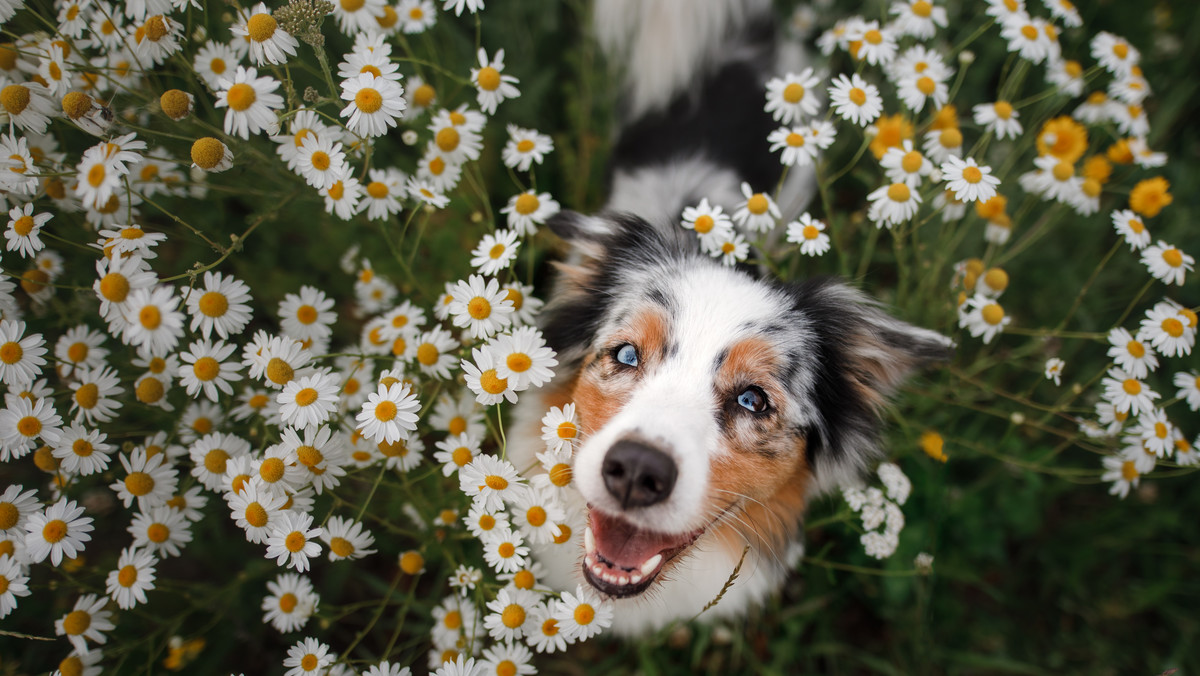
966	57
176	104
210	154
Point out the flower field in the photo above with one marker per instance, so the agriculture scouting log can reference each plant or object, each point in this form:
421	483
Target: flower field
272	279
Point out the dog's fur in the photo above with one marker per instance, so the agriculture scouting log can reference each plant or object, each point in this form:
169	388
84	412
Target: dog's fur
818	356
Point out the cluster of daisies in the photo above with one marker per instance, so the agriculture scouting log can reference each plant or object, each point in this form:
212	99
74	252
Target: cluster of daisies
258	426
1091	148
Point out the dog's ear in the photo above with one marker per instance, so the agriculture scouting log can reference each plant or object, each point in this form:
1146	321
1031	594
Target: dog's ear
863	356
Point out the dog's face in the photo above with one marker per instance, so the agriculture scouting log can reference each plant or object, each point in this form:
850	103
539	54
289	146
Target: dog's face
710	400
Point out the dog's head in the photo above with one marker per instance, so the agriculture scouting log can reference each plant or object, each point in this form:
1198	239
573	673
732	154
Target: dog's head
710	399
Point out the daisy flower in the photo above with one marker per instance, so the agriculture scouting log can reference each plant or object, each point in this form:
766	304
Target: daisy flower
794	142
917	91
1168	330
1132	228
292	541
130	240
269	43
905	165
457	143
23	421
522	358
1054	368
526	211
416	16
86	622
278	469
893	204
390	414
546	637
1114	53
149	480
220	305
560	429
213	61
1167	263
256	509
23	230
434	352
425	192
918	18
342	196
810	234
791	97
1066	75
1156	432
482	379
278	362
438	169
510	617
57	533
758	213
249	100
21	358
711	224
969	181
290	603
162	530
151	319
28	106
504	550
1127	393
983	318
456	416
347	539
492	85
480	520
999	118
402	455
374	104
1026	37
95	394
309	400
480	306
1122	473
855	100
496	251
583	614
489	481
15	508
472	6
133	577
732	250
319	453
525	147
307	315
382	193
308	656
13	581
358	17
875	45
320	160
204	368
1188	383
537	512
1131	354
456	451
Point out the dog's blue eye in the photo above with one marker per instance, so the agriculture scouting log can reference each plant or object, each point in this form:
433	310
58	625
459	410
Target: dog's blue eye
753	399
627	355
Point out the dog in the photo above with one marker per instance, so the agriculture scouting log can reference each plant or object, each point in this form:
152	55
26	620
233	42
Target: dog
713	402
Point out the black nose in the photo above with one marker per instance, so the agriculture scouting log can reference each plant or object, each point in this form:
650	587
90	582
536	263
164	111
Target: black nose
638	475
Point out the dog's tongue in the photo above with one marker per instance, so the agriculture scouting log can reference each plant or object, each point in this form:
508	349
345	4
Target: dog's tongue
628	546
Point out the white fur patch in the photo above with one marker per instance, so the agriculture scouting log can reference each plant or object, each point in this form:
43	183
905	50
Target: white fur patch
659	193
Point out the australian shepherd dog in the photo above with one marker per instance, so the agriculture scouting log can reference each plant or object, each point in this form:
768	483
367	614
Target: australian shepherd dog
713	402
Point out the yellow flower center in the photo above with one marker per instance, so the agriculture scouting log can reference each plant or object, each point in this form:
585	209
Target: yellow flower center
271	470
309	662
341	547
8	515
951	138
560	474
858	96
793	93
1173	257
11	352
54	531
536	516
156	28
1129	470
15	98
518	362
423	96
527	203
506	550
1131	387
491	383
461	456
811	232
992	314
206	368
87	396
241	96
95	175
207	152
1173	327
385	411
926	85
584	614
912	161
479	308
288	602
256	515
158	533
495	482
368	100
457	425
150	317
279	371
427	354
523	579
972	174
307	396
1136	349
899	192
215	461
76	622
550	627
488	79
217	65
922	8
352	5
513	616
377	190
139	483
295	541
1004	109
411	562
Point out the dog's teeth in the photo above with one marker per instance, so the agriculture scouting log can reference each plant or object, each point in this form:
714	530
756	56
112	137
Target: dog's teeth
589	540
599	571
622	580
589	560
651	564
635	577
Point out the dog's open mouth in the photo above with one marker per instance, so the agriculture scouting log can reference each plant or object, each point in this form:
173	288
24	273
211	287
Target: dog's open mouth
623	560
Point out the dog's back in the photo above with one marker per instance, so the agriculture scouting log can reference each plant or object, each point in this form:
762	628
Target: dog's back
691	118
